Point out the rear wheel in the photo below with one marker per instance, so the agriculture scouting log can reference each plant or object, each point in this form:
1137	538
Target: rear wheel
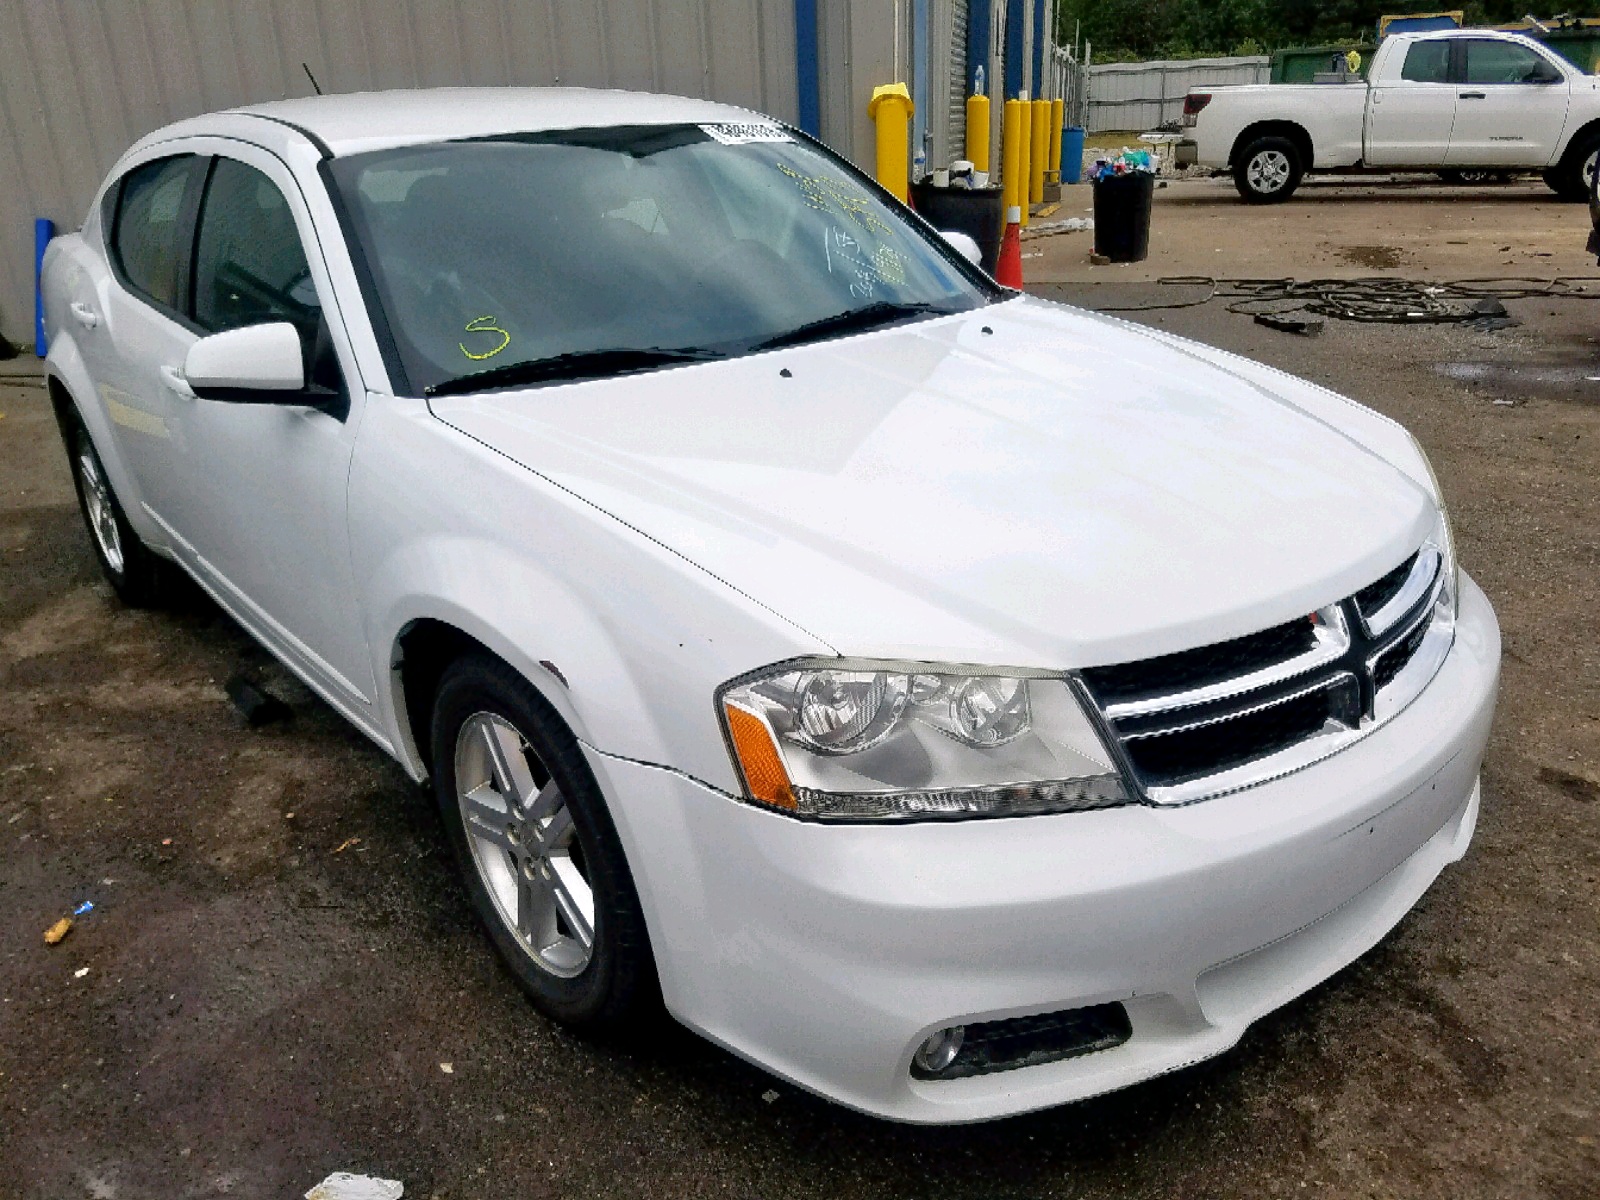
540	856
1268	170
140	577
1572	178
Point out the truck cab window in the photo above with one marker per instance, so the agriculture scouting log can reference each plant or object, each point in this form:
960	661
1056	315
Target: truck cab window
1427	62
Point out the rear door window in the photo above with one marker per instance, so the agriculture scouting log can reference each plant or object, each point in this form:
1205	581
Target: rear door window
150	237
1502	62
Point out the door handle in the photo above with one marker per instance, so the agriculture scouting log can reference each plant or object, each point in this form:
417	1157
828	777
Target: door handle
173	378
1474	95
83	314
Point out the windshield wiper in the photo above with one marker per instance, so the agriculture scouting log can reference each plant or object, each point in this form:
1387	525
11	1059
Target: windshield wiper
880	312
575	364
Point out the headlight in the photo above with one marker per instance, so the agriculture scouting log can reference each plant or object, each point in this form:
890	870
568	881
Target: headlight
1442	537
834	739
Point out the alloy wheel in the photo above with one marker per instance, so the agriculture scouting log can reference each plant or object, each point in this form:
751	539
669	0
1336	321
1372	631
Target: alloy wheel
1268	171
524	844
102	514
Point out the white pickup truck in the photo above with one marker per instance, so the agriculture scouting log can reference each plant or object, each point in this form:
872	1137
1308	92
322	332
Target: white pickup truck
1460	100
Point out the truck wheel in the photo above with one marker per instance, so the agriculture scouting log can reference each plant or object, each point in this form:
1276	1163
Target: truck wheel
540	855
1268	170
1572	177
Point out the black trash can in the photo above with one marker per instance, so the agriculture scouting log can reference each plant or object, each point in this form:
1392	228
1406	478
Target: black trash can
1122	216
980	213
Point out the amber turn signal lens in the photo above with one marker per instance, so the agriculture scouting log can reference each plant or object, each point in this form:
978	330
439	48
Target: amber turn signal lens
764	772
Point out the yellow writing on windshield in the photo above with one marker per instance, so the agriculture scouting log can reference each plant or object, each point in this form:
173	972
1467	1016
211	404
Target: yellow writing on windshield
485	325
823	193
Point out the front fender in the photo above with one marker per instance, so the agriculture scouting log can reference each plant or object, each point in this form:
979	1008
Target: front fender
444	528
523	616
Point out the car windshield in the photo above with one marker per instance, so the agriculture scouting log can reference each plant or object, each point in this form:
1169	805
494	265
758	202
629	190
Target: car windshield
574	254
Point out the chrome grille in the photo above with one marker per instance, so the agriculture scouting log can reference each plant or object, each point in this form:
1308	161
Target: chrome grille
1217	718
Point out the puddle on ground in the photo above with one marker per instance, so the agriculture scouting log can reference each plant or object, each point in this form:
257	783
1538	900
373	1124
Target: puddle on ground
1522	380
1383	257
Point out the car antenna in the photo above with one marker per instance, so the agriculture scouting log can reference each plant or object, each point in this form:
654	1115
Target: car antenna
306	67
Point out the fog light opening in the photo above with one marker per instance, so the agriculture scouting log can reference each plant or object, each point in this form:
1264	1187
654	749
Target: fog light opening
939	1050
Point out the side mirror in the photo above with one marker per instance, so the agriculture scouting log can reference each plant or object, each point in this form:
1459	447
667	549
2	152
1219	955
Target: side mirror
259	364
964	244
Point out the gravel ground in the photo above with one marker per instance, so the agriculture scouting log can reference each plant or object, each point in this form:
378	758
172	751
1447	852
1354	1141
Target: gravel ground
259	999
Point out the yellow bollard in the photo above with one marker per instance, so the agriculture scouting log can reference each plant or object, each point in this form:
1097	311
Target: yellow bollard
1025	143
978	132
890	109
1039	156
1011	152
1057	112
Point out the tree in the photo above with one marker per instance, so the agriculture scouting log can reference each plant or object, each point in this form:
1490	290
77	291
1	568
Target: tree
1157	28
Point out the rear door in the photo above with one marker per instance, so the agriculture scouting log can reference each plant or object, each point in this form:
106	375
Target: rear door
135	323
1410	114
1511	106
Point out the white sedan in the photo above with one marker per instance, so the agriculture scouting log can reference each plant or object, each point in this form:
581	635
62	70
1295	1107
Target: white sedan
953	702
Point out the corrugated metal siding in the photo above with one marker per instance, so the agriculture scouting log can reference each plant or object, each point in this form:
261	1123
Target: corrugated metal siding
80	80
1143	95
955	87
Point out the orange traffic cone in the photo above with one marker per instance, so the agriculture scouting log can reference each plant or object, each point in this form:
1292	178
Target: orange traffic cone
1008	270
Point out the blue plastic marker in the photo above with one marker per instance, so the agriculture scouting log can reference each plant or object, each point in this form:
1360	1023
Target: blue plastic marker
86	906
43	230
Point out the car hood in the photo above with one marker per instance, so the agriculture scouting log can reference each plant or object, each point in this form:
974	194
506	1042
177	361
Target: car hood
1025	484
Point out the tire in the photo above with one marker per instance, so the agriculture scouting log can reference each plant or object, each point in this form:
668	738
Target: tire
140	577
531	834
1268	170
1570	179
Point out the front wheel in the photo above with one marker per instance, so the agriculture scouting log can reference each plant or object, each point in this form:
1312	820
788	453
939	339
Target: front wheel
1268	170
541	858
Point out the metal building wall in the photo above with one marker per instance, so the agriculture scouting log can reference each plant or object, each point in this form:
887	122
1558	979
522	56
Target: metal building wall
1127	96
862	44
80	80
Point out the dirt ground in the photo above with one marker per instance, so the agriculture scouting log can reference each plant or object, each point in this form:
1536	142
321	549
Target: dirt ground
259	998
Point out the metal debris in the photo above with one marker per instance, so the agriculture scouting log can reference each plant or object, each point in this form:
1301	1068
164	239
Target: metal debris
256	706
1291	323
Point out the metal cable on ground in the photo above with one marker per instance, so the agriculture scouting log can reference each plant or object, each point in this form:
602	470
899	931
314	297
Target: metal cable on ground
1372	299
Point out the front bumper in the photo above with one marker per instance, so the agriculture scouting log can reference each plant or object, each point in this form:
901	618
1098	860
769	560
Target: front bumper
827	953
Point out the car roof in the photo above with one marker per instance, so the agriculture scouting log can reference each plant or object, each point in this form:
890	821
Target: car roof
361	121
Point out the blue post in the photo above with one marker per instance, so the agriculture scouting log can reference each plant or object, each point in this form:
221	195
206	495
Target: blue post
1016	47
806	67
978	32
43	231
